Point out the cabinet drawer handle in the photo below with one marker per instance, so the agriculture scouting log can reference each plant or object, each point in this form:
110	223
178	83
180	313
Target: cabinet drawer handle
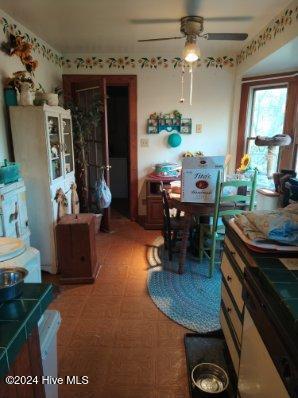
233	253
229	309
229	278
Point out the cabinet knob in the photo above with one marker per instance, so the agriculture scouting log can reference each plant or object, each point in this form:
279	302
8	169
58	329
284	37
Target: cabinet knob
229	309
229	278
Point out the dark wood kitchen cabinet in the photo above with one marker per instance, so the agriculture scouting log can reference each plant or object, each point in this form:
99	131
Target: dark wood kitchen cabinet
27	364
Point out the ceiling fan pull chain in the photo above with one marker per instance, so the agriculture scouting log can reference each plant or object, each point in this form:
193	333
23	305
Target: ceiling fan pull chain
191	84
182	84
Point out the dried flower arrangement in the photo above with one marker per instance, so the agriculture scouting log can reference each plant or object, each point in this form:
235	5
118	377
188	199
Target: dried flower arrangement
18	78
16	45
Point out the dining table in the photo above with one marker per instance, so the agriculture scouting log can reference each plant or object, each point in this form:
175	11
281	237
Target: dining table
190	211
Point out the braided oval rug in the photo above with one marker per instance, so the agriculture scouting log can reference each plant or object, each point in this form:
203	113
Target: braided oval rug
191	299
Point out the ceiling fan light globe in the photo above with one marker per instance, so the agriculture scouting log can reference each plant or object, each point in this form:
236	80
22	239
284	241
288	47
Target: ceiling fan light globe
191	57
191	52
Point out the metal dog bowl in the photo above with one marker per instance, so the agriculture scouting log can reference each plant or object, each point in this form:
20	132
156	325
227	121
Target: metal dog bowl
11	282
209	378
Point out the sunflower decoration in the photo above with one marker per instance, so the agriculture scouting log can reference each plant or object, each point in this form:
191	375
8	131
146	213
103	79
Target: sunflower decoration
245	162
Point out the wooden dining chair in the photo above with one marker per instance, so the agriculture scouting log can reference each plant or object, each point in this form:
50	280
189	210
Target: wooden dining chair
172	225
243	200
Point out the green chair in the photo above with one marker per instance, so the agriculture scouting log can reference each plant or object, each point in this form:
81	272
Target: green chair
241	201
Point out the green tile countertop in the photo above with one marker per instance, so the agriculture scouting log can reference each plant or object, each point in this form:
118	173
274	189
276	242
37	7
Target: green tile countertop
278	281
282	284
18	317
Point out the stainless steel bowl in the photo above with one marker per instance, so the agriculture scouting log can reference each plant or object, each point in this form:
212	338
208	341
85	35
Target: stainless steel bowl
11	282
209	378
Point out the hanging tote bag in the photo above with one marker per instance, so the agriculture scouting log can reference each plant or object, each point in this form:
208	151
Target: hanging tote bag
104	196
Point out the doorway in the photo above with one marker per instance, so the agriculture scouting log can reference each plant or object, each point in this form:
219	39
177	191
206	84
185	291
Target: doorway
71	83
118	125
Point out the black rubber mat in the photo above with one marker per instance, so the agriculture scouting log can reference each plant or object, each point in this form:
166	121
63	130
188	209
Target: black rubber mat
210	348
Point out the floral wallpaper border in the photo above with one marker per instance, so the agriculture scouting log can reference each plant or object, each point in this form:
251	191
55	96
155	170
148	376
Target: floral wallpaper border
38	46
120	62
276	26
91	62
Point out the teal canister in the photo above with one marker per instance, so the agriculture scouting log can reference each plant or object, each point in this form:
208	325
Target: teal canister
10	96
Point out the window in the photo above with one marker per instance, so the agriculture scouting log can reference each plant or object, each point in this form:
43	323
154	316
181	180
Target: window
266	118
268	107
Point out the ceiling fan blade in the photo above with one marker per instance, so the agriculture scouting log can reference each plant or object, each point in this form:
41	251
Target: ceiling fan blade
192	7
226	36
162	38
229	19
148	21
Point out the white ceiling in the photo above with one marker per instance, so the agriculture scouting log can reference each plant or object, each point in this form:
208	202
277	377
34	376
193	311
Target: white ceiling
103	26
282	60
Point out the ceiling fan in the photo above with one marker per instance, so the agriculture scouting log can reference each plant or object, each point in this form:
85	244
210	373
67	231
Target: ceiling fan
192	27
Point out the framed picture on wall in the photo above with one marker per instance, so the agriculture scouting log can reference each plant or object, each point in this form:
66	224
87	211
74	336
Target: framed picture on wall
185	126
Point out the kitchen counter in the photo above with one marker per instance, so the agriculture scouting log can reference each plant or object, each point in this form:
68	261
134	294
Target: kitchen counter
18	318
270	294
277	274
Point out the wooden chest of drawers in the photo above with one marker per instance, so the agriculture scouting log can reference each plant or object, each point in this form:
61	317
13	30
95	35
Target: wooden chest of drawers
76	248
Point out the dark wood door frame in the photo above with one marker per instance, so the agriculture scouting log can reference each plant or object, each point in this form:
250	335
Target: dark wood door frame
129	81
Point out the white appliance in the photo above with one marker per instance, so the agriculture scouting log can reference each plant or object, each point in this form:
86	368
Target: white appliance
258	377
14	253
48	328
43	145
13	211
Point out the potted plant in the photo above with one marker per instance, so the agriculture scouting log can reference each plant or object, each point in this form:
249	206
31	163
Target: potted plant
39	95
84	123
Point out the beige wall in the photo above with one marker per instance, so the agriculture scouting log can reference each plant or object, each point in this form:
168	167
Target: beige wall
216	98
159	91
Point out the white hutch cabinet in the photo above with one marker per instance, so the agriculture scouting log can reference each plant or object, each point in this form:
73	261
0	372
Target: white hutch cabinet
43	145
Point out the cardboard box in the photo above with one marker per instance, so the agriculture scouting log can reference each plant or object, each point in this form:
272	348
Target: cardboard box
199	176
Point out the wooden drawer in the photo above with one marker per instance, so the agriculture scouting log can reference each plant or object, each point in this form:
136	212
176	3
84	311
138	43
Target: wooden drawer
235	254
232	281
233	350
232	313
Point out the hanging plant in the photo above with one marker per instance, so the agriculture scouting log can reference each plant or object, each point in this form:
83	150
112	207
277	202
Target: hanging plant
17	45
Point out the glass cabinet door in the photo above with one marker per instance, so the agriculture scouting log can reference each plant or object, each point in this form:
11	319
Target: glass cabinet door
67	145
55	146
